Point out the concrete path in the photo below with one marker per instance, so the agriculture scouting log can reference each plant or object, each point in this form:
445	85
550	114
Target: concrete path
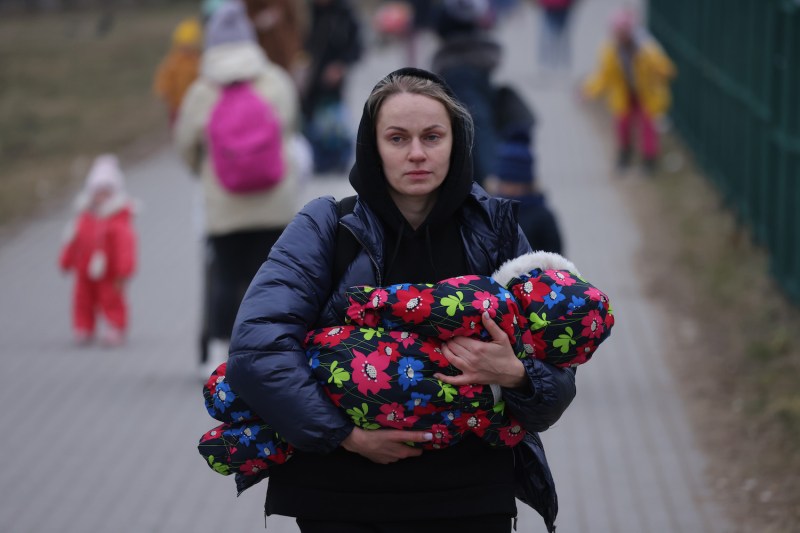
104	440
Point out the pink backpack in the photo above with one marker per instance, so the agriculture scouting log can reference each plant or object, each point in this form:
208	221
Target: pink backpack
245	142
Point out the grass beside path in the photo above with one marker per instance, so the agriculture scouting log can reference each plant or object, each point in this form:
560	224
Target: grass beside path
734	349
74	85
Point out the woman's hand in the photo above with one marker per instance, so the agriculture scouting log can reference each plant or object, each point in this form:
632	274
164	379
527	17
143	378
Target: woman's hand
384	446
484	363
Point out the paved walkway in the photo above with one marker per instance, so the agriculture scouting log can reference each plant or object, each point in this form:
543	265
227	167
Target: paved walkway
100	440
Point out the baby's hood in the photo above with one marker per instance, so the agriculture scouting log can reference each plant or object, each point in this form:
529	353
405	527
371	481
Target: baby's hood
524	264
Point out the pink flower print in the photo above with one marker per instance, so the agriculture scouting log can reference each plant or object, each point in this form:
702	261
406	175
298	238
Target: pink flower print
534	344
433	349
485	301
404	337
609	322
476	422
441	436
413	305
469	391
512	434
360	315
532	290
561	277
510	324
333	336
582	353
461	280
377	298
389	349
252	467
368	372
393	415
595	294
470	326
217	377
593	323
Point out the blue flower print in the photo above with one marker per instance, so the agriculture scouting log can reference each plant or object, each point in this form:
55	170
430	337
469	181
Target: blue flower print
503	295
417	400
576	303
449	416
266	449
224	396
313	359
554	296
241	416
408	369
244	434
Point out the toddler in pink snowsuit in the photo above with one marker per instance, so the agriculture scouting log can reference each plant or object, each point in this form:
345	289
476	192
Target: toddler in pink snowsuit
101	248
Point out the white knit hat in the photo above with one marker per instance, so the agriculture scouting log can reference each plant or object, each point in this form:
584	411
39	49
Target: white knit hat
105	174
229	24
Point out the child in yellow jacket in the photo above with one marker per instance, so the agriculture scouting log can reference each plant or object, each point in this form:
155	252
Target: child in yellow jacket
634	74
180	67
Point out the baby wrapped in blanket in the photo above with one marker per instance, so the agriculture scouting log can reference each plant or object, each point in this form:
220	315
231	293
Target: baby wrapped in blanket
380	366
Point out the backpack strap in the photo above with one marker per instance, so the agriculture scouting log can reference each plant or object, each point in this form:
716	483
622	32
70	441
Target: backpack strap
347	247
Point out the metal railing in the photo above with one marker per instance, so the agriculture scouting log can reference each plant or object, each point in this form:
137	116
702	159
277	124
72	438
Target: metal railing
737	104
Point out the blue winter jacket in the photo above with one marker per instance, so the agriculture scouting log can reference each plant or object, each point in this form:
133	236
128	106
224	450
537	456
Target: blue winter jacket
293	292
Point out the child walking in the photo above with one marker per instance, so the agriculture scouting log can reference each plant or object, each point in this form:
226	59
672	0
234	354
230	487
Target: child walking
180	67
101	249
634	72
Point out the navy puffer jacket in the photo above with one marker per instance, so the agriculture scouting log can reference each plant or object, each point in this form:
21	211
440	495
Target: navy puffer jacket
267	365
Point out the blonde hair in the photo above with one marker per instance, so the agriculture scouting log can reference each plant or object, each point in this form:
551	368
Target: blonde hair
405	83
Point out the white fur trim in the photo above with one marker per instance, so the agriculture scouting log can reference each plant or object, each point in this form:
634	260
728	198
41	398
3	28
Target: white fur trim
530	261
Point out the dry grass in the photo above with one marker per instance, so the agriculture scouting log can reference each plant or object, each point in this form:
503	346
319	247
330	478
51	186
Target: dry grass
69	91
734	351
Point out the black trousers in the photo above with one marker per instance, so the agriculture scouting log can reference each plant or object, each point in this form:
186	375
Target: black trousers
235	259
475	524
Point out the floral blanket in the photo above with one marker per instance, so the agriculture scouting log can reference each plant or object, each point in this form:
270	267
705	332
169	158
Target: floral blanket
379	367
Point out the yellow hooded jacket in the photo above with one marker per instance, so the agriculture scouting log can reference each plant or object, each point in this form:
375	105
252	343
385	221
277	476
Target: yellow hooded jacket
180	67
652	72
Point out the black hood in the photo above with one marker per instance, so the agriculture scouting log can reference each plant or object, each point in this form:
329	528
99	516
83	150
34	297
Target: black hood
368	180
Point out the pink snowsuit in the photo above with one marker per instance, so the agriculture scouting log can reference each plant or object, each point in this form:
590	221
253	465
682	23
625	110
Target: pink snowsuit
102	252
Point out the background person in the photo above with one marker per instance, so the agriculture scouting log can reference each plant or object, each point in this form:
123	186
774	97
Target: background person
240	228
180	67
100	247
633	72
514	178
418	217
466	58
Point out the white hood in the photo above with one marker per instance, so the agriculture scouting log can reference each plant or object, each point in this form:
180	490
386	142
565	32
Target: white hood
230	62
525	263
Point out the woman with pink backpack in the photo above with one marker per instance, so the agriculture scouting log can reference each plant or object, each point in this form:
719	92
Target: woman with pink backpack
234	130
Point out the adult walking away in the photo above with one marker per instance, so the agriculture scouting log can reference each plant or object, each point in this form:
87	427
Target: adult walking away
333	45
554	46
634	73
243	215
418	217
467	58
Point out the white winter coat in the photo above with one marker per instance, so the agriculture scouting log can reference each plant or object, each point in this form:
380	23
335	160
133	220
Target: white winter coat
226	212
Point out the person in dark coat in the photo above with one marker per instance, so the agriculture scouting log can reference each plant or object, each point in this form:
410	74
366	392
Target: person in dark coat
418	217
334	45
467	58
514	170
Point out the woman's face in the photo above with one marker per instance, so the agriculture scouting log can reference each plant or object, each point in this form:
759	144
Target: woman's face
415	139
